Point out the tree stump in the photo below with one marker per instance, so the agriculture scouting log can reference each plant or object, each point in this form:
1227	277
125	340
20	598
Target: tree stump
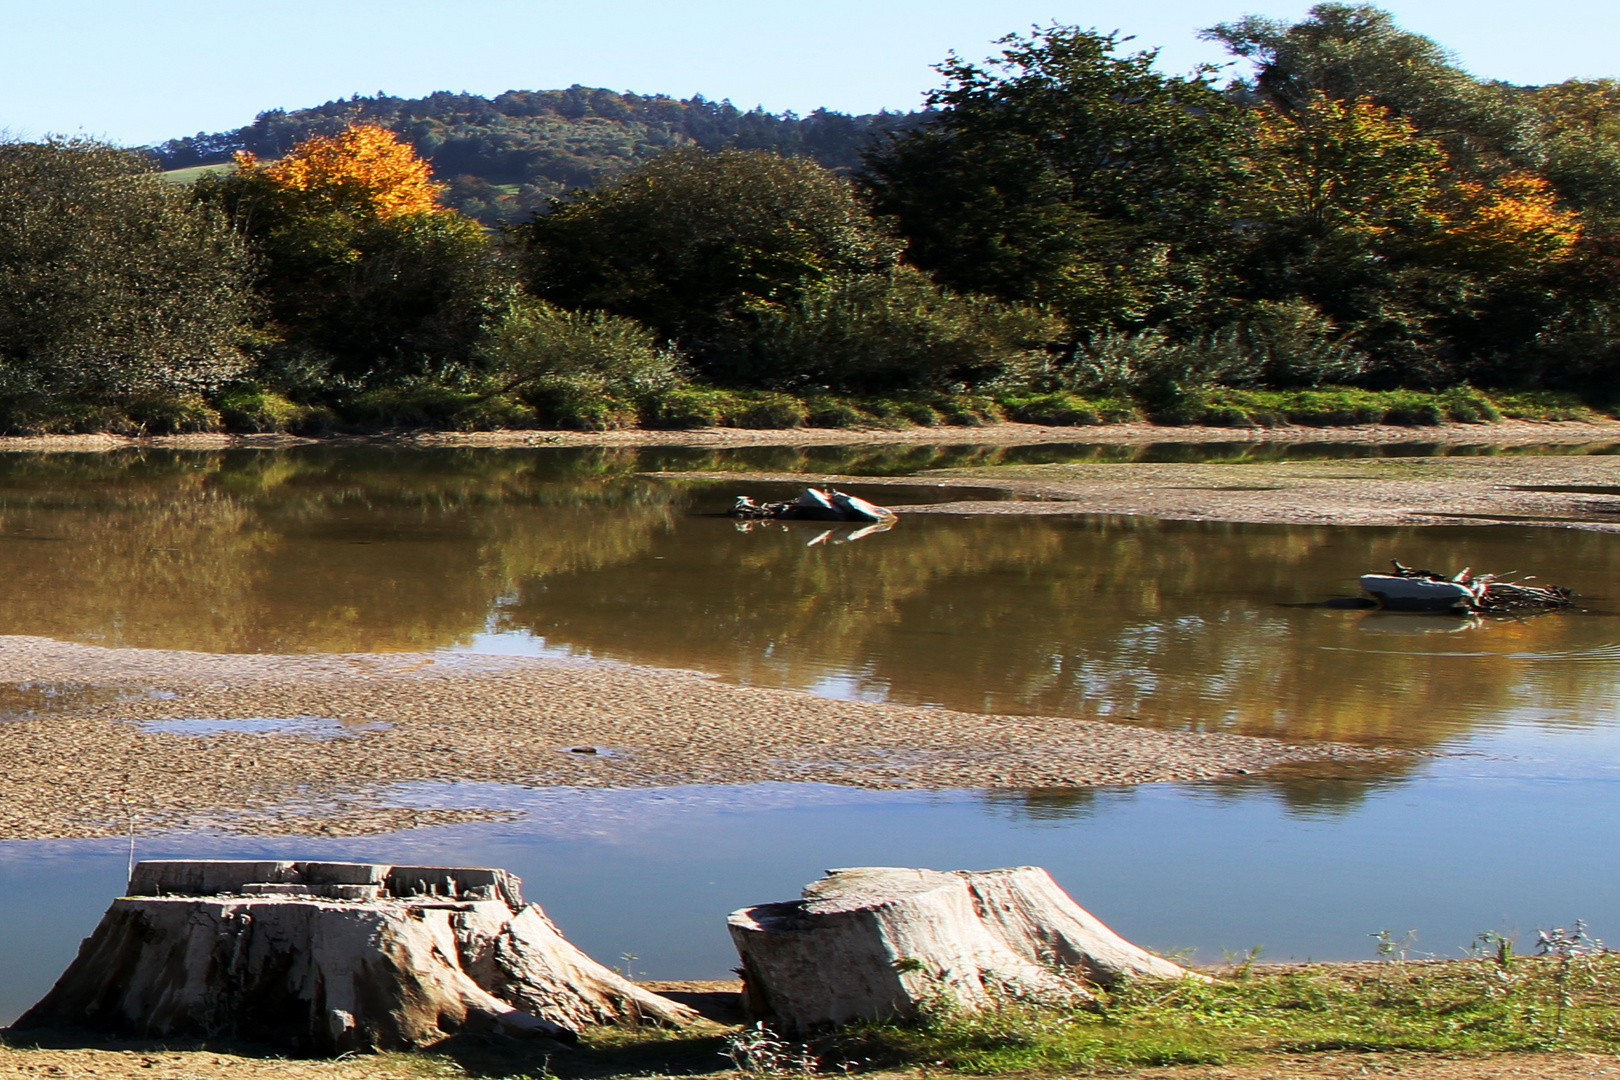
879	943
332	957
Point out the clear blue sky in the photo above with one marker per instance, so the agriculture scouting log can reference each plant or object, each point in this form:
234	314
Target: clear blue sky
137	73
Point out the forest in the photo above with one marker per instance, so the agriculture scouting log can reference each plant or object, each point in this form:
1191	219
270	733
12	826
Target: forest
1342	227
503	159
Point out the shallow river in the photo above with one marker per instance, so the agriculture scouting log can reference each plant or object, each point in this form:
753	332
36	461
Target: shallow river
574	553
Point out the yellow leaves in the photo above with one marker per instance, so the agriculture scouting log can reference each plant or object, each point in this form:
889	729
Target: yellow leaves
1516	220
1354	168
364	170
1345	164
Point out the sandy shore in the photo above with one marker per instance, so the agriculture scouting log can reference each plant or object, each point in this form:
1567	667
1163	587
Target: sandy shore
379	721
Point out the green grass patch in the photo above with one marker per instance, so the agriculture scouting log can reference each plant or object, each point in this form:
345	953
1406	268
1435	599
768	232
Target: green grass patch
1456	1007
197	172
254	410
1544	405
1069	410
1333	406
436	407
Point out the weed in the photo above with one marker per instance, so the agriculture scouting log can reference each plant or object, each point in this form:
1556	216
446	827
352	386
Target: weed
759	1051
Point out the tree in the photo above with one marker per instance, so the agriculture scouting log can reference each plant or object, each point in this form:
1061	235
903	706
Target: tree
364	171
1348	52
1581	130
1358	213
1063	171
691	242
113	284
357	260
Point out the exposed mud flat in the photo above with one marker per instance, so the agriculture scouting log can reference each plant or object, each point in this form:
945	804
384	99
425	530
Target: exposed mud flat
1573	491
104	760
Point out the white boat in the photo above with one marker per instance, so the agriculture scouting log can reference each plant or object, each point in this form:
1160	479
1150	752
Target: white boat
1412	592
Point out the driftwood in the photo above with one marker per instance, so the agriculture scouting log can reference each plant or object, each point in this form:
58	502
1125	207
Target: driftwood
331	957
884	942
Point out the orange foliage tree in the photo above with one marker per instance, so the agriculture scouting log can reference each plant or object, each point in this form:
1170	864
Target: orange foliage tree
1515	221
364	170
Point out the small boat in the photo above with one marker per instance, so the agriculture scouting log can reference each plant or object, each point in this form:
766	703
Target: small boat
1411	592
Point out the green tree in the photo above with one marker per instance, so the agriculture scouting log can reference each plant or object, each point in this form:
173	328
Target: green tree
691	242
1064	171
113	284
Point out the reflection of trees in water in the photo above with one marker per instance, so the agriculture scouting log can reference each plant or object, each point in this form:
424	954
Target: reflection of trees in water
1170	624
1177	625
329	551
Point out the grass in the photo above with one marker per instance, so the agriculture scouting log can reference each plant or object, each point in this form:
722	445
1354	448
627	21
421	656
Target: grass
196	172
1490	1004
1494	1003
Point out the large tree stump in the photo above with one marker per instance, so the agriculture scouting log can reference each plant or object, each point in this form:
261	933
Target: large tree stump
330	957
878	943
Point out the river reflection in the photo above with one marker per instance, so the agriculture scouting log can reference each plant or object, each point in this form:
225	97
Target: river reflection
574	552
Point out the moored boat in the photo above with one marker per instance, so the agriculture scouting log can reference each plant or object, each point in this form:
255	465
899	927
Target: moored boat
1411	592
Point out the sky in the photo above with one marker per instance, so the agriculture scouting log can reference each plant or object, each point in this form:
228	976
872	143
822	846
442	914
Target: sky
141	73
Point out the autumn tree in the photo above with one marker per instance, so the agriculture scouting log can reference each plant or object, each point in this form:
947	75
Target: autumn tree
365	171
1354	52
368	279
1356	211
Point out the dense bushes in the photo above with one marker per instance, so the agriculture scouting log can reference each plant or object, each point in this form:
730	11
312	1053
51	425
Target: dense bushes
113	284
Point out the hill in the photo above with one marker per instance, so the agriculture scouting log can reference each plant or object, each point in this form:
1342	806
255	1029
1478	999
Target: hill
504	157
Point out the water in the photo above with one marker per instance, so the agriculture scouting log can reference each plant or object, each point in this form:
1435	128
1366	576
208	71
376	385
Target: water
577	553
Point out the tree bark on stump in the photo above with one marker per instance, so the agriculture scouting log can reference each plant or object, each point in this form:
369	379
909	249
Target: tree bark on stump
878	943
332	957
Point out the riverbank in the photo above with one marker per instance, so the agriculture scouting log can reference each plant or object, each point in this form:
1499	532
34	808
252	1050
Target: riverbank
1507	433
318	745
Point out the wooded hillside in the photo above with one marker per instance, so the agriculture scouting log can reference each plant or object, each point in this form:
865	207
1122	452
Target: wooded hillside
504	157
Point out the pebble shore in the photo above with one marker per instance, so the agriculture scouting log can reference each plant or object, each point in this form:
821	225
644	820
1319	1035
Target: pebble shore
93	765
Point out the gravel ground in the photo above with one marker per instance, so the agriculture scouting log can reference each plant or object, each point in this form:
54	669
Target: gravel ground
88	770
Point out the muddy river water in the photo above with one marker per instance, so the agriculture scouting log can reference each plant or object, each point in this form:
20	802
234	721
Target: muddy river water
1503	822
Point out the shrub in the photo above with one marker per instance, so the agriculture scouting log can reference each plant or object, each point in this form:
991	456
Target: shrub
765	410
685	407
167	414
824	412
431	406
256	410
1169	376
969	410
1296	345
1065	410
886	332
1543	405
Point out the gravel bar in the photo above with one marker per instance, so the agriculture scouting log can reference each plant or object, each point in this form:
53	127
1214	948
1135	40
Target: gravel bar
93	765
